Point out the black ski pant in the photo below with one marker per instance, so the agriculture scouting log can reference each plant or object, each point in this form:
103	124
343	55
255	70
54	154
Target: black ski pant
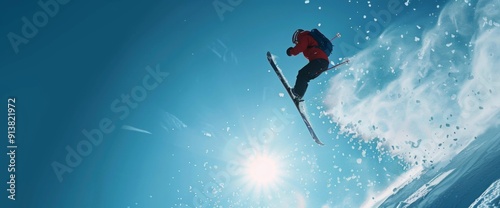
310	71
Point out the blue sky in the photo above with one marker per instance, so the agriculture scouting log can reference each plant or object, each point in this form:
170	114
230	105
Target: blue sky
184	98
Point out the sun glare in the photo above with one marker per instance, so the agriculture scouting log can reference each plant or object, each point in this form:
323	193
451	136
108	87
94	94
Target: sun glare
263	170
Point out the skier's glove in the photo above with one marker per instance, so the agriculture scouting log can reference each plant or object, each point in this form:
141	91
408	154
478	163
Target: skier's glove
288	51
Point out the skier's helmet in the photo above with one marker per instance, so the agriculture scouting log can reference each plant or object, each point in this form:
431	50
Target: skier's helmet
296	35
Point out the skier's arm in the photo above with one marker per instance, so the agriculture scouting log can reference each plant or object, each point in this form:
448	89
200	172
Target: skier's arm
299	47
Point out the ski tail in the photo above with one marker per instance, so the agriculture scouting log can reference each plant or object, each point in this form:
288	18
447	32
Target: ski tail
346	61
334	66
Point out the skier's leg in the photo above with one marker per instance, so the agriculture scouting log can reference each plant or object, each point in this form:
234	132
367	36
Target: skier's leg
301	83
306	74
319	65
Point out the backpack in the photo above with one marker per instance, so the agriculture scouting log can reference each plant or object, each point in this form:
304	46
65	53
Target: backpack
323	42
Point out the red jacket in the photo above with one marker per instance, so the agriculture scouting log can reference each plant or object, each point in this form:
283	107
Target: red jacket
311	53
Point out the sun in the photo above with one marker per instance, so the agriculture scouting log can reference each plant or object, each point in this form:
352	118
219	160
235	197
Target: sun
264	175
263	170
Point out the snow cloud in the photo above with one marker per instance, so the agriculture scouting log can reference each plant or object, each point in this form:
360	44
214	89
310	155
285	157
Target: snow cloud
425	93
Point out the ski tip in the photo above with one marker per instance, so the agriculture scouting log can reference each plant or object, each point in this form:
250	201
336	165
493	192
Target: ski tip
269	56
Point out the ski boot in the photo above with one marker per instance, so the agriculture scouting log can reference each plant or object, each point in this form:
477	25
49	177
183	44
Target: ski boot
296	98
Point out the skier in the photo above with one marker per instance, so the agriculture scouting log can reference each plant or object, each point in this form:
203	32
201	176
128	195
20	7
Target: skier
318	61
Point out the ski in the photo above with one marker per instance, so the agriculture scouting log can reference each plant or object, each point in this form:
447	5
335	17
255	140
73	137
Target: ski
296	103
336	65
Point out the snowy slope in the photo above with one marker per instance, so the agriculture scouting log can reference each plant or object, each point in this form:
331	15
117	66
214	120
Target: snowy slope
461	182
